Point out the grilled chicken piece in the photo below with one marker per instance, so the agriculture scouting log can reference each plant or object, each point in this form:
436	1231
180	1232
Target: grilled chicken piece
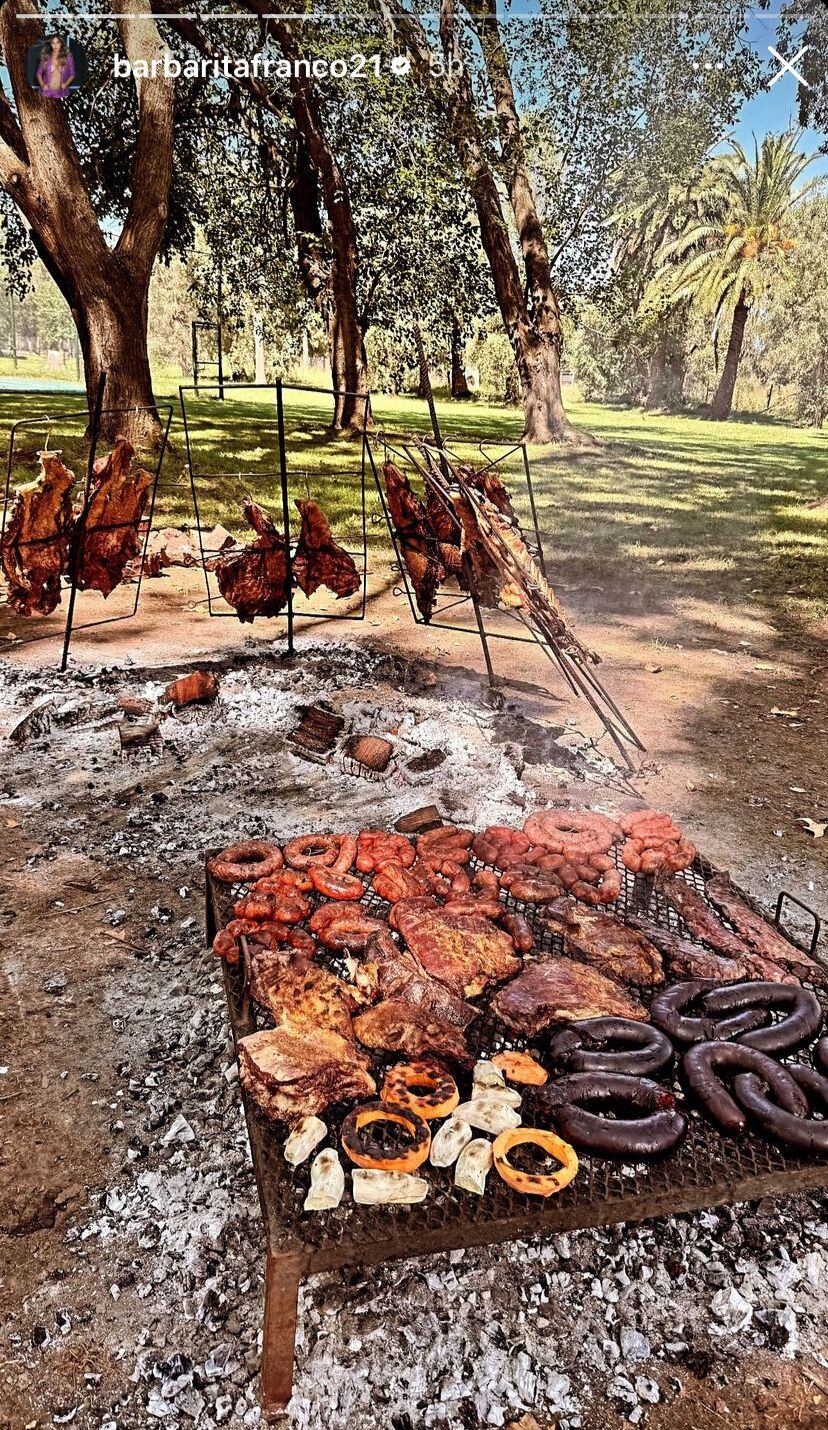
765	940
396	972
291	1074
319	560
35	550
607	944
560	990
415	536
301	993
254	580
706	925
686	959
466	952
110	535
396	1026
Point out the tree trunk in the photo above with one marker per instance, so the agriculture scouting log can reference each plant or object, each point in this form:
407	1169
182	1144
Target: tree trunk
658	371
722	403
112	328
259	354
459	387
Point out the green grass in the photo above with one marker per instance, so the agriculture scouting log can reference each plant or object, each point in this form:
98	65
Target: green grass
667	512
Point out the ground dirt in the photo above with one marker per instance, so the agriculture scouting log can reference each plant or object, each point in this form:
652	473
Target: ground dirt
125	1246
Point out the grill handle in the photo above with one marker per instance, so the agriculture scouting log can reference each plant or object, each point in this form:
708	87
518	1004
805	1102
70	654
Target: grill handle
784	897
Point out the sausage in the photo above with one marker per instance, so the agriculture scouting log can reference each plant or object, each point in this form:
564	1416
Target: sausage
487	882
541	890
821	1055
616	1045
487	908
804	1133
519	931
343	926
667	1012
376	848
309	849
655	1127
287	908
700	1069
336	886
803	1021
346	855
241	863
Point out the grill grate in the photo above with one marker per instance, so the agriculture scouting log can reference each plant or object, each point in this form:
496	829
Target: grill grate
705	1170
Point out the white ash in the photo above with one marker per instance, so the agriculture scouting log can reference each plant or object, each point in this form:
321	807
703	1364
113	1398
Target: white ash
615	1318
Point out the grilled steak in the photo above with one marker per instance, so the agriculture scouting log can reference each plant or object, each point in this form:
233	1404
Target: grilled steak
35	550
560	990
397	1026
254	580
766	941
705	924
467	952
319	560
109	537
607	944
396	973
301	993
686	959
292	1074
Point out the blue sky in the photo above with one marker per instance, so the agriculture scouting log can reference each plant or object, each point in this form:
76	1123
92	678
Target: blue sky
774	110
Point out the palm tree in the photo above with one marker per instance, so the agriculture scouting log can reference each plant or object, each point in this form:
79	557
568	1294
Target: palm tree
726	256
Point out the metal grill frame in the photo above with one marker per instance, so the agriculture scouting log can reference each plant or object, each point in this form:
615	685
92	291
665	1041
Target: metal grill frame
706	1170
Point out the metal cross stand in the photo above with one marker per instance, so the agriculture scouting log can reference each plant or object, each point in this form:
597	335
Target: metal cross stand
281	480
440	469
49	422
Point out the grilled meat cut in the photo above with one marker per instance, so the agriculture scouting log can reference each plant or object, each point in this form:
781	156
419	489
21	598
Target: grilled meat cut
254	580
466	952
319	560
706	925
766	941
416	538
605	943
109	536
684	958
396	1026
292	1074
35	550
560	990
397	973
301	994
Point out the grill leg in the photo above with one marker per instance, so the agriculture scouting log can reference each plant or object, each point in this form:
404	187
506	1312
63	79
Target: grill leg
282	1277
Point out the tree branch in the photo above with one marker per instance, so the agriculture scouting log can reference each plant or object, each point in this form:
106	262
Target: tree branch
146	220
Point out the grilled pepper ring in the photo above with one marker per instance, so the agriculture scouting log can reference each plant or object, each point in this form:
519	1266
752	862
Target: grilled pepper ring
535	1184
355	1141
802	1023
423	1087
579	1102
245	862
521	1067
617	1045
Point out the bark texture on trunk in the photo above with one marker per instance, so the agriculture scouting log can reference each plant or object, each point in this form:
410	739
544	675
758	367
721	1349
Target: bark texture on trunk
459	386
720	407
106	288
528	304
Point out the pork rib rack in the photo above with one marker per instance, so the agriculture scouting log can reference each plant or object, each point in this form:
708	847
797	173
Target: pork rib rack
318	559
254	581
35	549
108	536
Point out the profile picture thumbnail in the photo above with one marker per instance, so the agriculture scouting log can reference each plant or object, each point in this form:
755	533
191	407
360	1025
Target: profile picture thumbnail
56	66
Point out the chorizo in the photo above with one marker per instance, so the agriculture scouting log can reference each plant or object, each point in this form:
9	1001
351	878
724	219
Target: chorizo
518	930
336	886
242	863
343	927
